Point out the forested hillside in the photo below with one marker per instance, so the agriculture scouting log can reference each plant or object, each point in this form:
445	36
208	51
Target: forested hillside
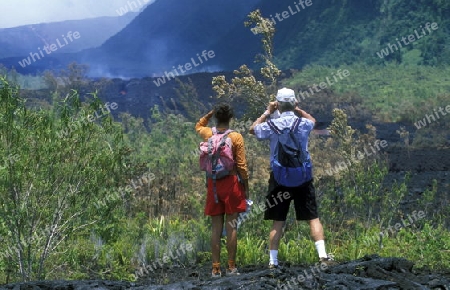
344	32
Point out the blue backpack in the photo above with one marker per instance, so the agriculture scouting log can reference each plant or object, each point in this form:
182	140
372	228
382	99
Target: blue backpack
290	167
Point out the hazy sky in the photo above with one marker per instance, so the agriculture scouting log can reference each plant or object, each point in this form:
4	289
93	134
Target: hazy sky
21	12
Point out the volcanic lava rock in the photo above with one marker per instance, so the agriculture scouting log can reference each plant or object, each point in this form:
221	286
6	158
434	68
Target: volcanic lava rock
370	272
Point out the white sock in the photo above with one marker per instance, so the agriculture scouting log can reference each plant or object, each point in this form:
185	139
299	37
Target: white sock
273	257
320	247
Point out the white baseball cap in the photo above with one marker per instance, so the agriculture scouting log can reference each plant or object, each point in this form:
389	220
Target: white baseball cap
286	95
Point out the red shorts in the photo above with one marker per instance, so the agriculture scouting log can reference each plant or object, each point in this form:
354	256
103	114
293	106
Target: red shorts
230	194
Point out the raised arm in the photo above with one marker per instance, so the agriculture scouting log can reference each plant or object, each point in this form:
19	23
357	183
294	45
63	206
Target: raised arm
270	110
201	126
304	114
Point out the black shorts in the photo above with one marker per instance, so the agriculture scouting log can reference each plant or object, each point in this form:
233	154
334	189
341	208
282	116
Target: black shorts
279	199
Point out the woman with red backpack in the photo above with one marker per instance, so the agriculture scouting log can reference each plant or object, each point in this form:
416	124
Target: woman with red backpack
223	159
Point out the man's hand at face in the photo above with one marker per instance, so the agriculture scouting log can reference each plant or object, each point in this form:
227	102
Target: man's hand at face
272	107
302	114
270	110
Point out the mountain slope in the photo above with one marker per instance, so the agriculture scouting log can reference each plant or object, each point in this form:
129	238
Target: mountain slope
340	32
168	33
20	41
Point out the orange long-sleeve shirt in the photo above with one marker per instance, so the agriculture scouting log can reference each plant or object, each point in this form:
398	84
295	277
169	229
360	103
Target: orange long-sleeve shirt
238	145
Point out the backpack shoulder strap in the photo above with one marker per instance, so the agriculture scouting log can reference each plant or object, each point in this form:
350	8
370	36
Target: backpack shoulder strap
295	125
294	129
225	135
227	132
273	127
210	145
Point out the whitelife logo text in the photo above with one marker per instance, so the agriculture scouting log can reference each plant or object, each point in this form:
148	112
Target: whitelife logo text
206	55
49	48
407	40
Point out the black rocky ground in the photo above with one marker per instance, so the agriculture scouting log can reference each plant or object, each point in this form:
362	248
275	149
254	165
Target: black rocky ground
367	273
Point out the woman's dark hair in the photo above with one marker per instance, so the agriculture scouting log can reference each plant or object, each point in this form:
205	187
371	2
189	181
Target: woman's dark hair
223	113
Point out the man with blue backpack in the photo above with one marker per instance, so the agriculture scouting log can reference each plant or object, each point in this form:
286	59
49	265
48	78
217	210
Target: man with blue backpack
288	128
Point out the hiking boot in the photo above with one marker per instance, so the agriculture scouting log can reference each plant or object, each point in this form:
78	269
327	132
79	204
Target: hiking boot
272	267
232	272
275	270
329	261
216	273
